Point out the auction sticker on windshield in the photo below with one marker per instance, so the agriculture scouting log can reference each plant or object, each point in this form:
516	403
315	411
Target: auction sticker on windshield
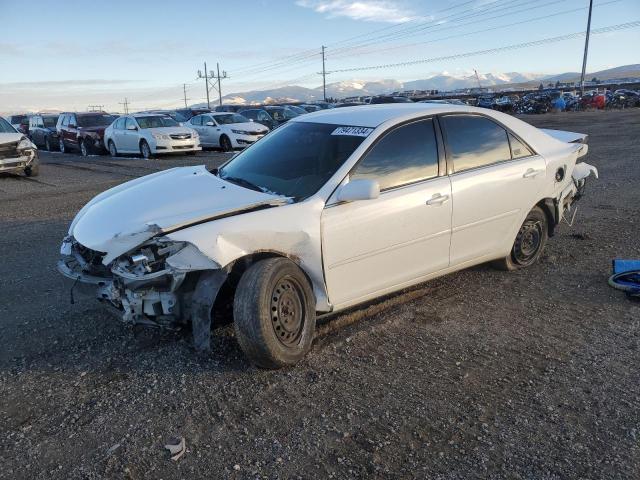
353	131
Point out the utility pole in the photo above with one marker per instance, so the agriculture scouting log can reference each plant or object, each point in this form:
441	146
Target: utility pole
209	83
184	89
324	77
125	105
586	48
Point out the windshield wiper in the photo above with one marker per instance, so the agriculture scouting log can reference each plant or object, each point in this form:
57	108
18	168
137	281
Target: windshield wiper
243	183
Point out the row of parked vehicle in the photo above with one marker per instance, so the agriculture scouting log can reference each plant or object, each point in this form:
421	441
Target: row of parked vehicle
555	100
156	132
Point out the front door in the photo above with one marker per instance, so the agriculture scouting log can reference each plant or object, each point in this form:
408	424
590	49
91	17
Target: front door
374	246
495	182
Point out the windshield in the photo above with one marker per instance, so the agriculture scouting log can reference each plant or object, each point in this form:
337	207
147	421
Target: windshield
282	113
294	160
229	119
5	127
19	119
50	121
156	122
298	110
98	120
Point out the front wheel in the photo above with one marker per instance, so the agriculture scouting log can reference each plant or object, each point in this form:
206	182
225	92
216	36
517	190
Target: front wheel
225	144
61	146
113	151
85	150
145	150
47	144
529	242
274	313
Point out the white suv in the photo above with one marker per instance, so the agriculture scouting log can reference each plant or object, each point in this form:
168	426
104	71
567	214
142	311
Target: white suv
149	134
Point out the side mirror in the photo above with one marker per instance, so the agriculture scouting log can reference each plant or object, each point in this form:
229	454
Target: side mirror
251	119
132	127
359	189
210	124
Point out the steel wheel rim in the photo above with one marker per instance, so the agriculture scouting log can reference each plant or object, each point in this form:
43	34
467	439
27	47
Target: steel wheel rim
287	311
226	144
528	242
146	151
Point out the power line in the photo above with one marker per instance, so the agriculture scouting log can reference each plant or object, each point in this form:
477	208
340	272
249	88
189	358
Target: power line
210	80
458	35
611	28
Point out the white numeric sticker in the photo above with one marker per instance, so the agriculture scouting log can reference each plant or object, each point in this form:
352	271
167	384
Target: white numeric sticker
353	131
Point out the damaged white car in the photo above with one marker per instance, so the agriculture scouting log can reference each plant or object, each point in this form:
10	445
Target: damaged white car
18	154
335	208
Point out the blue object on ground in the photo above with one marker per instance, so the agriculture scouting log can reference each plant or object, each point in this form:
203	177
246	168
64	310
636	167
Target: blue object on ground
626	276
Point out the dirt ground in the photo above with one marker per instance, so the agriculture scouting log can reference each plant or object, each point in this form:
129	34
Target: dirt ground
480	374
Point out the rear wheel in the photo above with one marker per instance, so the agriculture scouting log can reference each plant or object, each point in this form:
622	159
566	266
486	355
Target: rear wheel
274	313
529	242
145	150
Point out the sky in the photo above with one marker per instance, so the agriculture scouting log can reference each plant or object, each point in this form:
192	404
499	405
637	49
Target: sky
79	54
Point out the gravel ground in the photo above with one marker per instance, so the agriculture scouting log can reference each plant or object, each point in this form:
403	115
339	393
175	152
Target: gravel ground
480	374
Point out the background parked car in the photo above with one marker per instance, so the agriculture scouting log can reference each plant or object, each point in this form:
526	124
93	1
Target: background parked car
42	131
388	99
187	113
20	123
150	134
176	115
311	108
229	108
17	152
280	114
83	131
259	115
227	130
299	110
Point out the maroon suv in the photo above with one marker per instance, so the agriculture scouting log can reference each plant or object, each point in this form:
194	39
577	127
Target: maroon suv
83	131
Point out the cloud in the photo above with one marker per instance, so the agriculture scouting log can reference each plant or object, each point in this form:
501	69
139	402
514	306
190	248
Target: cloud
365	10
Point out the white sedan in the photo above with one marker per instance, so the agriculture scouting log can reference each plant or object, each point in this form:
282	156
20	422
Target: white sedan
227	130
149	134
333	209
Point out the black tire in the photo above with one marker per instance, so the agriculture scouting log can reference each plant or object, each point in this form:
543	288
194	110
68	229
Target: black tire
47	144
33	170
225	144
145	150
61	146
274	313
528	244
113	151
85	149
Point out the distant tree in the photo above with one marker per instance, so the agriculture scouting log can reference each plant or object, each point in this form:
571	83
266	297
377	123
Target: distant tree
595	80
541	86
557	83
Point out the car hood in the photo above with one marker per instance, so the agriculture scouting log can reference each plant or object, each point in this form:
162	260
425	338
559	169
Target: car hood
10	137
169	130
248	126
125	216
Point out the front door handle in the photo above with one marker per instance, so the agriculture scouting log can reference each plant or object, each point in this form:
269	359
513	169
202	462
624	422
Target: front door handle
438	199
531	173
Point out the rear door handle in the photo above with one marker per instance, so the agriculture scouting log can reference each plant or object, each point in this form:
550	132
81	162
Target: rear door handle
438	199
531	173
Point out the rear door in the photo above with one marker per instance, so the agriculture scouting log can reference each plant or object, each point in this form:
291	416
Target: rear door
495	181
130	138
374	246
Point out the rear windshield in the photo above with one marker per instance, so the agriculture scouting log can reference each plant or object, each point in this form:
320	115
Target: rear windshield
98	120
294	160
50	121
156	122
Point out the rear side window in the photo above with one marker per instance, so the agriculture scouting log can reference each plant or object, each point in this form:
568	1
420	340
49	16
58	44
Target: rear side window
518	149
405	155
474	141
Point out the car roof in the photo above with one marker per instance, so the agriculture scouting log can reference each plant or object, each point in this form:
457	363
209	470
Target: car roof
374	115
150	114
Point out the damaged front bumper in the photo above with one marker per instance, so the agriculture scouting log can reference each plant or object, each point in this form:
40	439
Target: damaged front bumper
149	285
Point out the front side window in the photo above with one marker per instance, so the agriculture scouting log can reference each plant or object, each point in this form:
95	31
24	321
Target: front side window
49	122
405	155
230	119
129	122
156	121
474	141
295	160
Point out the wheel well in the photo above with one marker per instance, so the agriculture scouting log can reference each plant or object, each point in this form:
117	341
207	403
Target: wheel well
548	206
223	305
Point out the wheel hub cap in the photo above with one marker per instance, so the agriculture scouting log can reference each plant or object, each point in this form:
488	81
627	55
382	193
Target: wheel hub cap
287	311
